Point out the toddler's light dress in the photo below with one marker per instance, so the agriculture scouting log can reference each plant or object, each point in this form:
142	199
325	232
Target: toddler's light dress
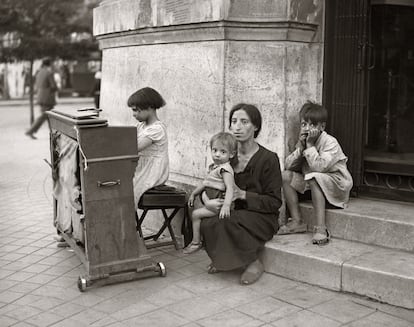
153	164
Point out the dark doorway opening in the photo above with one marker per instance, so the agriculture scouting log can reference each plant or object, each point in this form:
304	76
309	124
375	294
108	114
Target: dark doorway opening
369	92
389	143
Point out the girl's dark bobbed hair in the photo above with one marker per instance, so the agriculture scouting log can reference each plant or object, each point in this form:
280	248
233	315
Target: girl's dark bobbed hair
251	111
146	98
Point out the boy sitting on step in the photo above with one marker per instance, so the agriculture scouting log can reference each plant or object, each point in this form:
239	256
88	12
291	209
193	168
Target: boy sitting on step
319	165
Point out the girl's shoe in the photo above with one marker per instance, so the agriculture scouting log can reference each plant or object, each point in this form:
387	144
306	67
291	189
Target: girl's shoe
292	227
321	235
192	247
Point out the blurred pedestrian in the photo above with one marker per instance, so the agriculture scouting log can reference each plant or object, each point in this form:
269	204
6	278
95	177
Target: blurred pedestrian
46	88
96	90
26	80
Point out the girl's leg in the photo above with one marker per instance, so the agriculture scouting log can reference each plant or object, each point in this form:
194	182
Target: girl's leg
196	217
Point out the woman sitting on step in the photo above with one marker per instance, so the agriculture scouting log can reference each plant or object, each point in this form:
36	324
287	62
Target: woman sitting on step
236	241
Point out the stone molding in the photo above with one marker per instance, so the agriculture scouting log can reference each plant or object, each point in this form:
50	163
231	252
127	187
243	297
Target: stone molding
212	31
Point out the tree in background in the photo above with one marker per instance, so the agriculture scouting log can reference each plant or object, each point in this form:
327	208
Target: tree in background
34	29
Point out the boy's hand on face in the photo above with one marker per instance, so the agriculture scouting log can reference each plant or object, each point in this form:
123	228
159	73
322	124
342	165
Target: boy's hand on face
301	142
312	137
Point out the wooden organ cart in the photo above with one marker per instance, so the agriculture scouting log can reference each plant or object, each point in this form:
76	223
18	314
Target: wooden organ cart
93	166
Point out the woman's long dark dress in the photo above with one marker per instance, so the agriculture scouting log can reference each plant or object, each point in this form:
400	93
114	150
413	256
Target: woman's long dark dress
236	241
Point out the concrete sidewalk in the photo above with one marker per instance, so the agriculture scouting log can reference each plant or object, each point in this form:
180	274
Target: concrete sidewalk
38	280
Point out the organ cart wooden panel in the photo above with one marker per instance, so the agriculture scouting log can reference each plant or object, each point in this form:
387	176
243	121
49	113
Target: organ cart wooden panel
93	165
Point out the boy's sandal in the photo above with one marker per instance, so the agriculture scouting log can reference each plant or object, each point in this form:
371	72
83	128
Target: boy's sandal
192	247
212	270
321	235
292	227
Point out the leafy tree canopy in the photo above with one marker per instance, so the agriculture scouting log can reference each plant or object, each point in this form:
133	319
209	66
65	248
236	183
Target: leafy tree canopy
40	28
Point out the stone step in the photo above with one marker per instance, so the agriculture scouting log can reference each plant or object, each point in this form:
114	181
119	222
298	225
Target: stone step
382	274
385	223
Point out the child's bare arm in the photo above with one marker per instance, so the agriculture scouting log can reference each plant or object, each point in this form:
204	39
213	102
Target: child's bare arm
228	180
294	161
143	142
200	188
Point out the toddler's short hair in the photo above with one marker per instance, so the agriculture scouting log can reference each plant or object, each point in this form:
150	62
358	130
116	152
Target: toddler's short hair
226	139
313	112
146	98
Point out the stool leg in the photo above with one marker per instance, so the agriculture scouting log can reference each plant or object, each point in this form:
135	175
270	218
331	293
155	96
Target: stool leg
167	221
140	220
170	229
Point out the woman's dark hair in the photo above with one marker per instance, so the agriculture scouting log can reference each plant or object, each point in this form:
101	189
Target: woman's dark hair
251	111
313	112
146	98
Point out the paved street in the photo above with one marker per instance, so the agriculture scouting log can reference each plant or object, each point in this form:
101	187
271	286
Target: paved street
38	279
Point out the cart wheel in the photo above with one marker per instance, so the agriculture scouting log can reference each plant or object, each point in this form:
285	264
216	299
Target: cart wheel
82	284
163	270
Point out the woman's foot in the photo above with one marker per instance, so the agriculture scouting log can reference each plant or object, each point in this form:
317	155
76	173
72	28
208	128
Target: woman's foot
252	273
292	227
321	235
192	247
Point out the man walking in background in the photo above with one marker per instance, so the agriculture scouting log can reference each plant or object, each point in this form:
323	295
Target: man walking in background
46	88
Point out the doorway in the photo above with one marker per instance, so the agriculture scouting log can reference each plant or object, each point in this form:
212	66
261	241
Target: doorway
389	130
369	92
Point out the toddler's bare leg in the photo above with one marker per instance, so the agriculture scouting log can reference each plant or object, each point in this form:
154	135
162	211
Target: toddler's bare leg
196	217
318	201
291	196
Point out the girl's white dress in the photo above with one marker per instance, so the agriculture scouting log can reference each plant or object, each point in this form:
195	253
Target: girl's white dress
153	164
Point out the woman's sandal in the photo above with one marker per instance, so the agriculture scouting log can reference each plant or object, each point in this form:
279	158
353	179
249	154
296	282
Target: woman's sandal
252	273
292	227
212	270
192	247
321	235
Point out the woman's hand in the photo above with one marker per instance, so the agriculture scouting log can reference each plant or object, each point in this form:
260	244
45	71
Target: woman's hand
225	211
214	205
238	193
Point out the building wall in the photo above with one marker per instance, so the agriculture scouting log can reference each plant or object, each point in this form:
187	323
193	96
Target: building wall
205	56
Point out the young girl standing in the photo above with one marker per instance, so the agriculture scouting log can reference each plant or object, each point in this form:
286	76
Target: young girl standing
153	165
318	164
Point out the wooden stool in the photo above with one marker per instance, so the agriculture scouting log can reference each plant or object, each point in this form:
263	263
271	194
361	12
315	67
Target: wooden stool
162	197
